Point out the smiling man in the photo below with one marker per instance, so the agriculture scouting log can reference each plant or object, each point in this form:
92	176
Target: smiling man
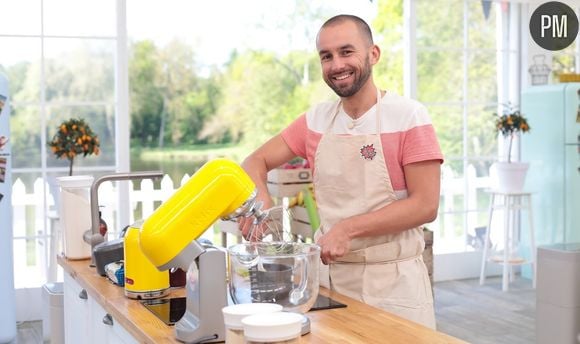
376	167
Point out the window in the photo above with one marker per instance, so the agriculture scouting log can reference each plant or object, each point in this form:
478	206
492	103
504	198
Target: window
457	73
59	66
63	66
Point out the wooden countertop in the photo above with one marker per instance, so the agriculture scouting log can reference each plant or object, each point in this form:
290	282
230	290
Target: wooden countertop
357	323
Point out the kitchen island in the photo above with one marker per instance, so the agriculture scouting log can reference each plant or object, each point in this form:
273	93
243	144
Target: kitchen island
98	311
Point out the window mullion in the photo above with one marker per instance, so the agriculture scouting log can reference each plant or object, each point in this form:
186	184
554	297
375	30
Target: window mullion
410	51
122	130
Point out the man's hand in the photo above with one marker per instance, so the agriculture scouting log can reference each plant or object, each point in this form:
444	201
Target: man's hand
335	243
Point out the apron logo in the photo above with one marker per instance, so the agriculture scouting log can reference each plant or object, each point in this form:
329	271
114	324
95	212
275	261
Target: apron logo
368	152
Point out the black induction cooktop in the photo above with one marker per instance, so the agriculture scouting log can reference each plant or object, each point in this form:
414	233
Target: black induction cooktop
168	310
323	302
172	309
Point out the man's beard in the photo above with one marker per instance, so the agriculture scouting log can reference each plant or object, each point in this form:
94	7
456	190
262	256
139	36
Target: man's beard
356	85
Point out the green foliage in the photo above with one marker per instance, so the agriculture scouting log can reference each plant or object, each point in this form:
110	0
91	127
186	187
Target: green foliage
175	103
388	28
17	76
171	102
82	74
146	98
440	32
261	95
510	123
85	72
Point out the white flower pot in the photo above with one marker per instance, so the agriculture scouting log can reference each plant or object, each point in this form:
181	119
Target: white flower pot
511	176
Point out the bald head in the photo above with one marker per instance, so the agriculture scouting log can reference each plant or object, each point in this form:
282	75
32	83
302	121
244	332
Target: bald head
363	27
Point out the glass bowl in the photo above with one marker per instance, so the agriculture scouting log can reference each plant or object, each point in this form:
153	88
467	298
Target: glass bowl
285	273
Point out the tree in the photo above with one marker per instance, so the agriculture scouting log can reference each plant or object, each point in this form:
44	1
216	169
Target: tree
388	28
74	138
263	91
439	72
170	102
84	73
261	95
146	95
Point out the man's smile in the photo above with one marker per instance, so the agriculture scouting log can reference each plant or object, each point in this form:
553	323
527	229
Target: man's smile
342	76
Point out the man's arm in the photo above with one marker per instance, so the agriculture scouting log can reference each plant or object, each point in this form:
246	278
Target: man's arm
420	207
270	155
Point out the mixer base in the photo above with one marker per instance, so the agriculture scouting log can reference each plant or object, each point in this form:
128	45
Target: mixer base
146	295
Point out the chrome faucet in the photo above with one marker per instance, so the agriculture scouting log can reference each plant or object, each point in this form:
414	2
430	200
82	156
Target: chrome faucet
95	237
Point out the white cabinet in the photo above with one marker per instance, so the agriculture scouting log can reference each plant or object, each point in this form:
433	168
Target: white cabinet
105	329
120	335
98	329
86	321
77	315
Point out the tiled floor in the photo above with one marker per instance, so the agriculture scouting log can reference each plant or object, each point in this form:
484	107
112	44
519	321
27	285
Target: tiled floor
485	314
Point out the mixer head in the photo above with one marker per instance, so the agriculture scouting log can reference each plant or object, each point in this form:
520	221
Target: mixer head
219	188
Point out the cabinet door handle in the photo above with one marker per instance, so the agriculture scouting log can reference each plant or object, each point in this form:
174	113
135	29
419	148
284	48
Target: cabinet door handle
108	319
83	294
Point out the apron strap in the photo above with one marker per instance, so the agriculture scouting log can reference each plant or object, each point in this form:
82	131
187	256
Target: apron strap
378	109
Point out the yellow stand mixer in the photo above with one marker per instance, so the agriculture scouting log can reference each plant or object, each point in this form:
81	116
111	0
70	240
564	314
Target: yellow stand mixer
220	189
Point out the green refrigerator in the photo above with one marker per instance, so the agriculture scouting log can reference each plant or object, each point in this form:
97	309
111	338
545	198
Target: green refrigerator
552	147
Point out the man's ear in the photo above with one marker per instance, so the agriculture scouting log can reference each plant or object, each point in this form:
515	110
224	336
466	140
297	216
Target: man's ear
375	54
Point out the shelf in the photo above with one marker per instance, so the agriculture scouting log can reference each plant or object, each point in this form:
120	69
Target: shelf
511	261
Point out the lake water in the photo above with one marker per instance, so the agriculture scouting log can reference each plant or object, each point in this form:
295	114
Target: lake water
177	163
175	168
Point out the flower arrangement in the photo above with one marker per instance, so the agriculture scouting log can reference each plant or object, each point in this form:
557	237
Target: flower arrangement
510	124
73	138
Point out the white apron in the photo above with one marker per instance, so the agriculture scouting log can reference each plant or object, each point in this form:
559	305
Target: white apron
386	271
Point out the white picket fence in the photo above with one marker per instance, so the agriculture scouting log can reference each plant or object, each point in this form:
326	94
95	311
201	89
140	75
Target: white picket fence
35	222
40	203
34	212
451	187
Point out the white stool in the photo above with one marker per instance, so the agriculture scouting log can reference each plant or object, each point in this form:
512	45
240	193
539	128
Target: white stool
512	203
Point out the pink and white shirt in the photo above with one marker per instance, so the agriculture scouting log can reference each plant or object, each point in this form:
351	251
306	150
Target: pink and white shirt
407	135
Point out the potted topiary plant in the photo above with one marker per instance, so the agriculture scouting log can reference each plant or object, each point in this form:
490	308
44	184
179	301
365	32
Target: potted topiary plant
74	137
510	124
